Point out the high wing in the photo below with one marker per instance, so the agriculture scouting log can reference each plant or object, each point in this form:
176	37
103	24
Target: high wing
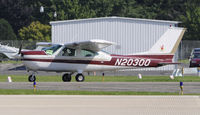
93	45
47	44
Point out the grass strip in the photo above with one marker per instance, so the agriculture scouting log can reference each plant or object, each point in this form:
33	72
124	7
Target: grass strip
11	62
60	92
58	78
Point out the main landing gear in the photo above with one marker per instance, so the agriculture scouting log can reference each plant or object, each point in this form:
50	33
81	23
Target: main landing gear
67	77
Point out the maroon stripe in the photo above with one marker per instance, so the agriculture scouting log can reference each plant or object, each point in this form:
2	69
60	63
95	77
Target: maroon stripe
72	61
33	53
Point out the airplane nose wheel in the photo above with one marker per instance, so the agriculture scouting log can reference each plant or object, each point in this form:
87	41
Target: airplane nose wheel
80	78
31	78
66	77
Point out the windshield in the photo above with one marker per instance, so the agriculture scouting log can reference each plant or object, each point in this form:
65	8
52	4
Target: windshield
52	49
105	52
196	55
195	50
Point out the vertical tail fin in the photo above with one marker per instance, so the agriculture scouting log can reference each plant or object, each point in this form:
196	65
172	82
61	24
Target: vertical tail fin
168	42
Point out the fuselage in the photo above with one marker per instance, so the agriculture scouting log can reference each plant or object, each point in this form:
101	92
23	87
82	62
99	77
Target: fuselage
40	61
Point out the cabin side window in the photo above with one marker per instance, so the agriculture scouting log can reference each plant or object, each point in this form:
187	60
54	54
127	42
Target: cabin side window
68	52
87	53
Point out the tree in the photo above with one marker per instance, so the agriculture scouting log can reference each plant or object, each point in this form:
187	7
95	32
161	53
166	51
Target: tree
17	12
191	20
6	31
35	32
71	9
162	9
65	9
126	8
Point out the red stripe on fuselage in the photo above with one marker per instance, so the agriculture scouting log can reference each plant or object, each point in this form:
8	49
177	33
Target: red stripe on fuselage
33	53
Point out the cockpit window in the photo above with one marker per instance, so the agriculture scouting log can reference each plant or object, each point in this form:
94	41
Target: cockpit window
68	52
196	55
88	53
52	49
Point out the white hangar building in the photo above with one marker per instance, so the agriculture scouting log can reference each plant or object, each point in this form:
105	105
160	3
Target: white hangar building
131	34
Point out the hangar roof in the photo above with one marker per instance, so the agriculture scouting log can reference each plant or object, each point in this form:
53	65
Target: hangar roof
114	17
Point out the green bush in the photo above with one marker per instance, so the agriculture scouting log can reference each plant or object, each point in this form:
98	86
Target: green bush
6	31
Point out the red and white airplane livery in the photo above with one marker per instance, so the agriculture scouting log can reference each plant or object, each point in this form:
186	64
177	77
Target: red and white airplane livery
86	56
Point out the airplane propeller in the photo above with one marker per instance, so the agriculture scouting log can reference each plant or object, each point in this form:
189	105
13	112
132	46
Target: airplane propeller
20	48
19	55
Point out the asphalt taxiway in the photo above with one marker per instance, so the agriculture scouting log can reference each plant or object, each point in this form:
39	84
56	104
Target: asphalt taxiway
98	105
189	87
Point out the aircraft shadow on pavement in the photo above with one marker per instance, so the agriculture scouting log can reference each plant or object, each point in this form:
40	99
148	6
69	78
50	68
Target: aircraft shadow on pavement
18	68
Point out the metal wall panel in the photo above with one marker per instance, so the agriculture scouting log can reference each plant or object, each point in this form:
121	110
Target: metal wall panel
133	35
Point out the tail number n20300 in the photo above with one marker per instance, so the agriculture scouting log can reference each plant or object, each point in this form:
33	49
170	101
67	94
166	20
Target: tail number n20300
132	62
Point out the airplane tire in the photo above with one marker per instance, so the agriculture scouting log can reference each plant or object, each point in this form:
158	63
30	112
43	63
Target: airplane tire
31	78
66	77
80	78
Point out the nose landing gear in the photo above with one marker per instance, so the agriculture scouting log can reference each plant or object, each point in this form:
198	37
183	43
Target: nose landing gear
31	78
80	77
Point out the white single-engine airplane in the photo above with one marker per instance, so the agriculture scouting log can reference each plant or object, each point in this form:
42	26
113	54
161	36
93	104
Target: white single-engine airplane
86	56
